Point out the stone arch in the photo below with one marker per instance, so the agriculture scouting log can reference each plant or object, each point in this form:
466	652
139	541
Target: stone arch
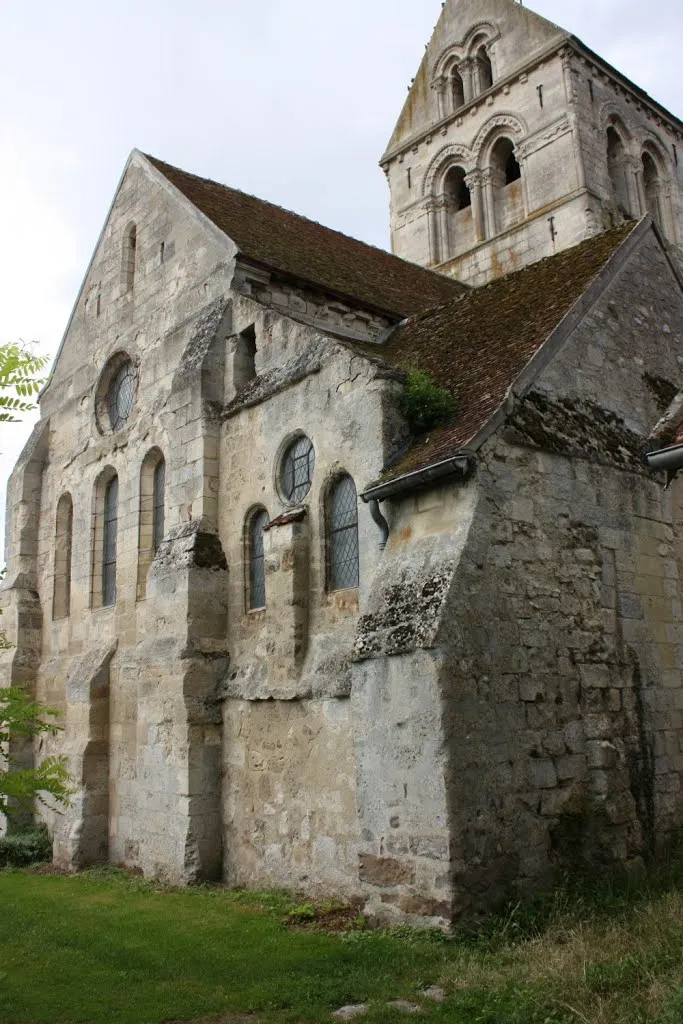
506	186
618	169
481	33
61	599
102	498
342	550
482	67
456	87
440	163
655	184
458	226
493	128
151	513
82	832
450	57
256	519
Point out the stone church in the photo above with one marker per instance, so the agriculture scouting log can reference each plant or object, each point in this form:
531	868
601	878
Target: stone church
295	641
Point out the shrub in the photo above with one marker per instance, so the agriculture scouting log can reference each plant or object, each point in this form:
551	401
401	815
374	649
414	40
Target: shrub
31	847
423	403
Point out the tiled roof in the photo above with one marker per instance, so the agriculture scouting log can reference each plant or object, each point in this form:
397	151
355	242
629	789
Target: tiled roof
303	249
477	345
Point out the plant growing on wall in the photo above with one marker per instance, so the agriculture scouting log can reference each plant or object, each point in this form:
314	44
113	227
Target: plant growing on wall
423	403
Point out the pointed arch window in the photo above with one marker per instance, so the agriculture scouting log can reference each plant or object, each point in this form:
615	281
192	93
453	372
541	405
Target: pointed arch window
652	188
617	166
485	69
152	521
256	582
61	603
343	570
457	89
159	499
109	541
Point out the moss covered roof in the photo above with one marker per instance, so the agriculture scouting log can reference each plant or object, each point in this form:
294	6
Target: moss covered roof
477	345
303	249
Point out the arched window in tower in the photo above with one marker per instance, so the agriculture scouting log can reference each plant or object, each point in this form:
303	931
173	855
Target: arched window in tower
129	254
151	524
459	225
61	603
256	570
651	186
617	167
485	69
508	194
457	89
343	571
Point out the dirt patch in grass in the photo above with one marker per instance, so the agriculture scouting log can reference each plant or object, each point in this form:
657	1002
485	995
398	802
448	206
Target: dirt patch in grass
330	916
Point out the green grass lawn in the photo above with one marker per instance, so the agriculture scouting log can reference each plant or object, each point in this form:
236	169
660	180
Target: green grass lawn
103	946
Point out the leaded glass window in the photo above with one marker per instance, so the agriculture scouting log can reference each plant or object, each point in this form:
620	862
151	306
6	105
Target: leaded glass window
257	573
159	500
121	395
342	540
297	470
110	522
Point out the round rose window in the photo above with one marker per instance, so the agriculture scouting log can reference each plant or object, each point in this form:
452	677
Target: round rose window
121	395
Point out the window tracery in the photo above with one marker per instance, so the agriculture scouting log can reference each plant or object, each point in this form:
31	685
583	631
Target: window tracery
297	469
343	570
256	581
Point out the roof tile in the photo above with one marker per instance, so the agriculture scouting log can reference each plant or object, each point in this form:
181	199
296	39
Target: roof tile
301	248
477	345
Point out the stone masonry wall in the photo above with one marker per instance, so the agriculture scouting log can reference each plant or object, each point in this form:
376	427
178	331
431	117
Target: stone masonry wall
162	323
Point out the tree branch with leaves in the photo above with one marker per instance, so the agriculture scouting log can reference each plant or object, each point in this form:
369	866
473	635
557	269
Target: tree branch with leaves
23	719
19	373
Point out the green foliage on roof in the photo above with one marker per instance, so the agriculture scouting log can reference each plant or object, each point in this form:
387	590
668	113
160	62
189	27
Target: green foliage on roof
423	403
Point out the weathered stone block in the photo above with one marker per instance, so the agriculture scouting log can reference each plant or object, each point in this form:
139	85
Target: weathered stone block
385	870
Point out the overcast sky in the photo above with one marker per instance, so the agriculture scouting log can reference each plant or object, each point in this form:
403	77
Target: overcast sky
293	100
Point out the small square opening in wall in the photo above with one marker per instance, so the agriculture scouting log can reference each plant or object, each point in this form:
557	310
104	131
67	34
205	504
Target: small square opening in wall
244	359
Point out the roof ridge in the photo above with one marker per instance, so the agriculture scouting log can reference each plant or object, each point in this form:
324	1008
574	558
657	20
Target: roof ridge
160	164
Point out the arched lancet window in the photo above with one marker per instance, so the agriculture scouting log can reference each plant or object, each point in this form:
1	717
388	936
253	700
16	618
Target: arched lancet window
507	186
617	166
104	537
109	539
457	89
159	504
651	186
485	69
152	513
61	602
129	253
256	573
342	535
459	225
